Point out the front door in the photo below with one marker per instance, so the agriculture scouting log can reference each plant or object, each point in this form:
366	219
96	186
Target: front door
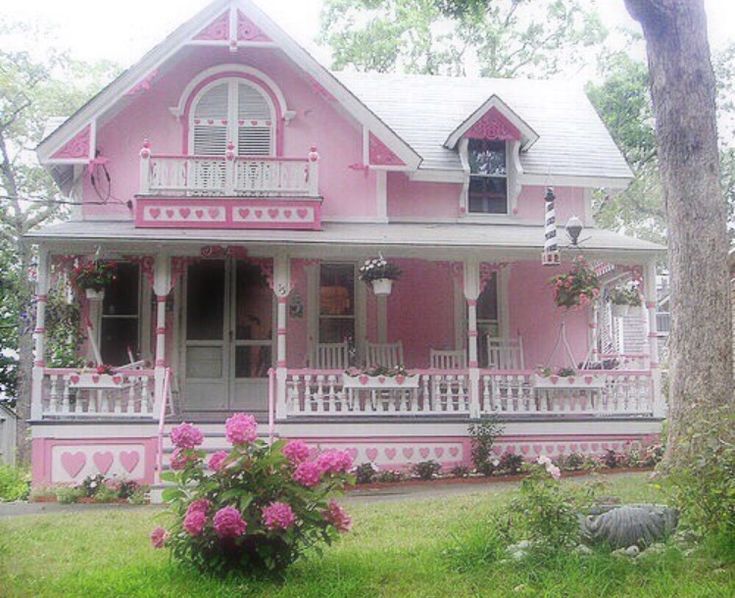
228	331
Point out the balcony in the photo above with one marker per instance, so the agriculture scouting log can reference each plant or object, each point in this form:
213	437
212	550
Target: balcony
228	191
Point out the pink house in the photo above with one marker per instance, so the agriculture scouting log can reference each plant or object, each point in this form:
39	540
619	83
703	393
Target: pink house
239	185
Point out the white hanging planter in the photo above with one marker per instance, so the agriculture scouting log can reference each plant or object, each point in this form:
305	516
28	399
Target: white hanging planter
382	286
94	295
620	310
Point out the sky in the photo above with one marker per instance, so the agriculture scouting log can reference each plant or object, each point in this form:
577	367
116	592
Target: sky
123	31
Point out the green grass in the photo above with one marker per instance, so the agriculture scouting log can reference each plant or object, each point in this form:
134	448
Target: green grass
414	547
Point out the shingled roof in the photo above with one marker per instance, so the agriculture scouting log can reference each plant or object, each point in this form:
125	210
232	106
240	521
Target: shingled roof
425	109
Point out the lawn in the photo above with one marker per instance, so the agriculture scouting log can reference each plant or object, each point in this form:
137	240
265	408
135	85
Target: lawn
417	547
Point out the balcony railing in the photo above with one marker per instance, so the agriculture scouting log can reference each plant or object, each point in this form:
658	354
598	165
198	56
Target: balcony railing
229	175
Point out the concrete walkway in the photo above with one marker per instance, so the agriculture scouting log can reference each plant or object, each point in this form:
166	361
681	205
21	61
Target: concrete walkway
389	493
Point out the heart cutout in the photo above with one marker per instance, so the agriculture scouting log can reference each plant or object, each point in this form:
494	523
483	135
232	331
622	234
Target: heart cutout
129	460
117	379
588	380
424	452
213	213
258	214
169	213
185	212
74	379
363	379
73	463
595	447
244	212
408	453
199	214
554	379
561	449
287	213
400	378
524	449
454	451
154	213
537	448
549	449
273	213
372	453
103	461
352	452
302	213
571	379
381	379
95	378
390	453
584	447
438	452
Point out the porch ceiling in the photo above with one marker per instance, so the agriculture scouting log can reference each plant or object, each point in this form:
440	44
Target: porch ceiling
510	240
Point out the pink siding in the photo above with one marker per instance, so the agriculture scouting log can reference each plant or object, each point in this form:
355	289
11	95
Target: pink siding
569	202
532	312
296	341
420	199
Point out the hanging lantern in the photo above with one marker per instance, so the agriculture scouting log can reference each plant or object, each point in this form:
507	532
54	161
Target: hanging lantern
550	255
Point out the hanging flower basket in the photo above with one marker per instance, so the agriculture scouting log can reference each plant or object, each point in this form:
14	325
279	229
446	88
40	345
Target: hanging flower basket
623	299
93	277
578	288
379	274
620	310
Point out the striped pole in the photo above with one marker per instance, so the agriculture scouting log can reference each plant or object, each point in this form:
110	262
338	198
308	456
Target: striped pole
550	255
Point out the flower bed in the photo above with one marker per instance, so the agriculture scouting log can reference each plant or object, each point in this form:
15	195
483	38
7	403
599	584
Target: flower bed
258	508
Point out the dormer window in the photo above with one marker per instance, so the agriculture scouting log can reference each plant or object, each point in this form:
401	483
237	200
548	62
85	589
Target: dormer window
236	110
488	190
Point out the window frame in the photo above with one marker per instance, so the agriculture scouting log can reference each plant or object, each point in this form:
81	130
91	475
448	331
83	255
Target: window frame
138	317
320	317
506	177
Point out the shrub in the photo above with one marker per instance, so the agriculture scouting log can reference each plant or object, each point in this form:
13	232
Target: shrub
259	509
611	459
14	483
69	494
510	463
652	455
91	484
390	476
460	471
365	473
139	496
571	462
124	488
426	470
482	439
105	493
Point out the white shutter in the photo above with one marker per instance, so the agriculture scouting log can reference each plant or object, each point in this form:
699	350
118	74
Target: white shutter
255	122
209	130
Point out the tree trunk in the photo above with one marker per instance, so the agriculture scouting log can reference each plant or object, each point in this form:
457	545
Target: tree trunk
25	354
683	93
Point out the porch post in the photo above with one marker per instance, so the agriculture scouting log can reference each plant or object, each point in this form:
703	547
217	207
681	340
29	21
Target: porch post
39	363
162	284
471	293
649	282
281	288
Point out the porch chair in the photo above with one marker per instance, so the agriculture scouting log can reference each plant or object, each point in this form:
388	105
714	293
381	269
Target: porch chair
388	355
505	353
447	360
330	356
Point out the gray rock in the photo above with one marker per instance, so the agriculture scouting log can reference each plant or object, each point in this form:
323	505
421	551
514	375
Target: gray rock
583	549
628	525
632	551
518	555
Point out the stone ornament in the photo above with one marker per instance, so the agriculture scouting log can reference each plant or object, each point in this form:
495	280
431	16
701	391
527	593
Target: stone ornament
629	525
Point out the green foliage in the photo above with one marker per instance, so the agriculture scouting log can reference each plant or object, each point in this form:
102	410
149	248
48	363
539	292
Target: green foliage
510	463
92	484
482	439
390	476
506	38
579	287
426	470
571	462
105	494
14	483
701	482
67	495
365	473
460	471
63	331
624	295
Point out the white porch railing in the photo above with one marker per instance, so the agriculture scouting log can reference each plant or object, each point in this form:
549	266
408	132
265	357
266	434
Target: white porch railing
322	393
229	175
66	393
623	392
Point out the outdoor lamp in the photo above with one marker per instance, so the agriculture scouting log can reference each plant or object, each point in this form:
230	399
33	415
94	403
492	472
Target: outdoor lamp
574	229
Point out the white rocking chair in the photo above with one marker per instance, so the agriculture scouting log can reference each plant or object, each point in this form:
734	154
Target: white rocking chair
504	354
387	355
330	356
447	360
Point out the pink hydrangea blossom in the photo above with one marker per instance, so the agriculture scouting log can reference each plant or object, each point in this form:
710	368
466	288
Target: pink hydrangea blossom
186	436
543	460
334	462
296	451
159	537
201	505
228	523
180	459
194	522
241	429
216	461
338	517
554	472
308	474
278	515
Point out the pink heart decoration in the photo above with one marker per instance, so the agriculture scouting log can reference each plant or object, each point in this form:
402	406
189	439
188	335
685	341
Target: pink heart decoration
615	446
573	447
352	452
253	122
210	121
129	459
184	212
244	212
605	446
103	461
584	447
400	378
408	453
363	379
117	379
561	449
537	448
273	213
438	451
73	463
199	214
571	379
454	451
424	452
74	379
213	212
588	380
381	379
170	213
554	379
497	450
287	213
390	453
595	447
524	449
154	212
95	378
549	449
258	213
224	121
302	212
372	453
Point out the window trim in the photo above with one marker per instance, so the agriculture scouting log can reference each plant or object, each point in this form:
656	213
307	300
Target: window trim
139	317
506	176
353	317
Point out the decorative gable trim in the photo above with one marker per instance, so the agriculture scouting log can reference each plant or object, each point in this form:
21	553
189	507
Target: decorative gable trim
249	31
79	149
494	120
381	155
217	30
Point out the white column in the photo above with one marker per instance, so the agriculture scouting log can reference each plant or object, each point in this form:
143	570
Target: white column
281	288
471	277
649	294
381	302
39	363
161	287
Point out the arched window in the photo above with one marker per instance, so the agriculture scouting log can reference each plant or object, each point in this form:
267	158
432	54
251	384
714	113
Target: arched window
232	110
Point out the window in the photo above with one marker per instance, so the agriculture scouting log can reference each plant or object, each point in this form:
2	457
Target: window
336	303
253	322
120	320
488	193
232	110
487	316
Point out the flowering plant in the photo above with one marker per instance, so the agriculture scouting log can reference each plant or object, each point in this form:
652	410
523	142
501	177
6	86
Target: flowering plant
627	295
379	370
578	288
93	275
253	507
376	268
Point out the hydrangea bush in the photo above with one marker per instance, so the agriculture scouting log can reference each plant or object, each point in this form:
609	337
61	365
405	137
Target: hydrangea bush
254	508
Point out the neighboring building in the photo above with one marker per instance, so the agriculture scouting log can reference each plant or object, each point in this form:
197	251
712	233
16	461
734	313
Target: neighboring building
247	184
7	434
